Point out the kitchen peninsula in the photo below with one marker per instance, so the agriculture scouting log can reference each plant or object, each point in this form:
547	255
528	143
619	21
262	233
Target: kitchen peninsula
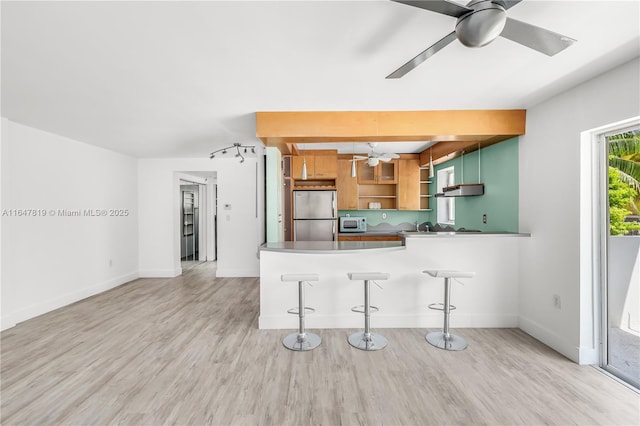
488	300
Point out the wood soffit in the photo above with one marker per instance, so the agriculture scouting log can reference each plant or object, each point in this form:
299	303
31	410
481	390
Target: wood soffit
454	130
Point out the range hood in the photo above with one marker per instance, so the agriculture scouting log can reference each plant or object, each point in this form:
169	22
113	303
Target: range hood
462	190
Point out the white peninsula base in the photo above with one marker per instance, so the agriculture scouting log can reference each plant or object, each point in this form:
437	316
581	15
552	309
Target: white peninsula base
490	299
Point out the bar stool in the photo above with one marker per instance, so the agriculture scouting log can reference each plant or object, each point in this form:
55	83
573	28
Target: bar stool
301	341
367	341
443	339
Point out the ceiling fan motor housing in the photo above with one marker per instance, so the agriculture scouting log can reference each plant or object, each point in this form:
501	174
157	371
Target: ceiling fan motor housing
482	25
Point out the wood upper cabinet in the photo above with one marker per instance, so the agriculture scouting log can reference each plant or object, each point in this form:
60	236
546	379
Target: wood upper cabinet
296	166
383	173
318	166
408	184
346	186
326	167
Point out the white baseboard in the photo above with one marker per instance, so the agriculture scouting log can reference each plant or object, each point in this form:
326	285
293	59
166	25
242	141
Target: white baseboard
551	339
37	309
379	320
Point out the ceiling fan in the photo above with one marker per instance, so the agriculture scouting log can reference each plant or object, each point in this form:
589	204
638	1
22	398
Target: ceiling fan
479	23
374	158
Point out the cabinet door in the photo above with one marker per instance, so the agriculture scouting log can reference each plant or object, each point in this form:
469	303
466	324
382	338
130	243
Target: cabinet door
325	167
349	238
409	185
381	238
366	174
296	166
347	187
388	172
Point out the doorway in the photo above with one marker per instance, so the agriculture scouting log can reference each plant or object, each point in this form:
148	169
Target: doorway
196	204
620	252
190	225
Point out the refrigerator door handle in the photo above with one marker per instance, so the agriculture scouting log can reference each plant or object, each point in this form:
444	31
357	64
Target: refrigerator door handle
334	230
333	206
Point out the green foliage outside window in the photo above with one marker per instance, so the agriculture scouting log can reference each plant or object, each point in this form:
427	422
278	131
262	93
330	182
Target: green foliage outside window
620	196
624	182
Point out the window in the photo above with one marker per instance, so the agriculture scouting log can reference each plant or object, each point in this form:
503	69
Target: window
446	205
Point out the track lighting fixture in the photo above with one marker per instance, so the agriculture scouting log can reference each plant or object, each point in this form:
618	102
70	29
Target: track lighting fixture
237	147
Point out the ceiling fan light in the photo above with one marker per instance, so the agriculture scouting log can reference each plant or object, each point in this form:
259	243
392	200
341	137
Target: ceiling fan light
482	26
373	162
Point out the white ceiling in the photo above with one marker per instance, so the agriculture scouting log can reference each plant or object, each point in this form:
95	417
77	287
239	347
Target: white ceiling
365	148
180	79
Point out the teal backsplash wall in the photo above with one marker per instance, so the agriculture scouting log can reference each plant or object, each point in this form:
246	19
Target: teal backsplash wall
394	217
499	173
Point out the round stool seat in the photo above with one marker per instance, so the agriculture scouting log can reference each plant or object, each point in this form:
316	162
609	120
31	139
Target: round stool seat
444	339
361	276
445	273
300	277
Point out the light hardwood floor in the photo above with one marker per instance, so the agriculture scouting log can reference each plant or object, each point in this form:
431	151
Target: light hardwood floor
187	351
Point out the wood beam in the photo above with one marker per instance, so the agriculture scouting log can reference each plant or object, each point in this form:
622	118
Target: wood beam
280	129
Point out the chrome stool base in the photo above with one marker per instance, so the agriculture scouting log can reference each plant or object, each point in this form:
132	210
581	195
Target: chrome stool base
301	342
449	343
373	342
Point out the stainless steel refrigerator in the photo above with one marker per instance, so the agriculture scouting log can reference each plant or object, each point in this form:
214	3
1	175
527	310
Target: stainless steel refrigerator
315	216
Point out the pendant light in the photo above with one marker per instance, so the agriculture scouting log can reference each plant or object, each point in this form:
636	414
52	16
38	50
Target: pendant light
304	168
431	174
353	160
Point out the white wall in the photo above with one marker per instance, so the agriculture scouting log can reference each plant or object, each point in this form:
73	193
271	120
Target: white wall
240	219
51	261
550	209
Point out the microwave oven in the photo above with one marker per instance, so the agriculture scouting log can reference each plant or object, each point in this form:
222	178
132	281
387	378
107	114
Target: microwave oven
353	224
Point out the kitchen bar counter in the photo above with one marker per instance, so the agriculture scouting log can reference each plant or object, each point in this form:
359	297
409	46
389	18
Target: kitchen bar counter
319	247
458	234
490	299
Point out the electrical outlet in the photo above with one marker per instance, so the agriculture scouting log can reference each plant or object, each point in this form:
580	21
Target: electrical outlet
484	218
557	302
384	215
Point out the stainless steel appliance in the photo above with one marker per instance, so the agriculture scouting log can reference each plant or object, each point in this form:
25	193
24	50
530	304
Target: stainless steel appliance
314	216
353	224
462	190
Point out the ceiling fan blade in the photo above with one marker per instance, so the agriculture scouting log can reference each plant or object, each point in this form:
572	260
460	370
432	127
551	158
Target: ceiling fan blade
423	56
536	38
440	6
388	156
508	4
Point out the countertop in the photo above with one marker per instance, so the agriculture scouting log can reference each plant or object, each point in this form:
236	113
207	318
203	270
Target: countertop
420	234
318	247
369	234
